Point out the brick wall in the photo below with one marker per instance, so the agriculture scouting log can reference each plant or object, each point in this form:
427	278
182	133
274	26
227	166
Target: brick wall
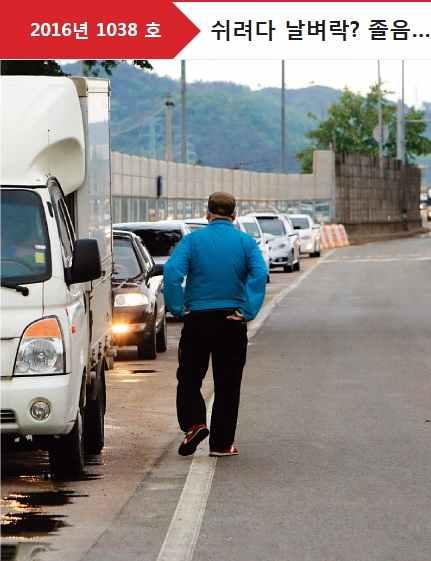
372	201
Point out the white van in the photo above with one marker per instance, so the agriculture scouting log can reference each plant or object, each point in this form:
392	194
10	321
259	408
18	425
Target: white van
56	264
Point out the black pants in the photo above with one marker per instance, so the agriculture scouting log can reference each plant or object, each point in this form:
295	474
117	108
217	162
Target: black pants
205	334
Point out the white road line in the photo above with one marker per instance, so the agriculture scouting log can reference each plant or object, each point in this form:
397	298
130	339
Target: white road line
183	532
378	260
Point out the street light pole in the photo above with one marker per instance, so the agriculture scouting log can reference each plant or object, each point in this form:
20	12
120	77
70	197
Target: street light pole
283	119
380	116
401	122
183	113
169	105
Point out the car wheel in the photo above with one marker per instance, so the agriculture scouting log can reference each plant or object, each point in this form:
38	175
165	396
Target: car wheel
66	453
297	266
162	336
288	268
147	348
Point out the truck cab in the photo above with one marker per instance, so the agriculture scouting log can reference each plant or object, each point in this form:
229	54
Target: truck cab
56	264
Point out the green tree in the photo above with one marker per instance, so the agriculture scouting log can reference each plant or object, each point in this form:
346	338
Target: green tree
350	124
52	68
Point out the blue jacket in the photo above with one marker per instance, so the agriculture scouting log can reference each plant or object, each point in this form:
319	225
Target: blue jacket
224	269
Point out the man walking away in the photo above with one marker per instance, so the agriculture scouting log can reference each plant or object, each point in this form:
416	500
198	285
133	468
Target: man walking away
225	287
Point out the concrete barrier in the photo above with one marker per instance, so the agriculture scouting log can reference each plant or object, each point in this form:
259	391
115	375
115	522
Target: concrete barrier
333	236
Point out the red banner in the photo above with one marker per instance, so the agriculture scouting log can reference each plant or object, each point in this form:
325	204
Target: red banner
92	29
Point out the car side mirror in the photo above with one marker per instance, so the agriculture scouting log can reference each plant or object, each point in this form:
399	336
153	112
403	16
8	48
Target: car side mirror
86	264
268	237
157	270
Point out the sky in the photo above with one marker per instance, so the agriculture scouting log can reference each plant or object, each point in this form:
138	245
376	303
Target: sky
358	75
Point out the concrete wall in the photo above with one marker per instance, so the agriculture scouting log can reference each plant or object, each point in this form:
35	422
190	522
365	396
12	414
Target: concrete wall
373	201
134	176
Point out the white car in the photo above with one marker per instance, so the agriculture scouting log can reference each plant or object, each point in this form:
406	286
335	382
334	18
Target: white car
195	223
250	225
309	233
282	241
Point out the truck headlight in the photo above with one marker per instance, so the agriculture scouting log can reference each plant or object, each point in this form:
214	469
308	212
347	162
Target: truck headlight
41	349
130	299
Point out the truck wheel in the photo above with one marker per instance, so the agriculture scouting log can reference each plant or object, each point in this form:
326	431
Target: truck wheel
66	453
147	348
94	434
162	336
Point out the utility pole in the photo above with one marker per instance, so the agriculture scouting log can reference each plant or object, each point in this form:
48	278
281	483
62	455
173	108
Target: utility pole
169	105
183	113
283	119
380	116
401	122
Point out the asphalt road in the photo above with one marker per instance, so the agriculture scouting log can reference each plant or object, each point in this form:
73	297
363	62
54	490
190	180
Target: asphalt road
333	435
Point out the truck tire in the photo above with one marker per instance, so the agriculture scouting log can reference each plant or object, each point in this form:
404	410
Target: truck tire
66	453
94	414
162	336
147	348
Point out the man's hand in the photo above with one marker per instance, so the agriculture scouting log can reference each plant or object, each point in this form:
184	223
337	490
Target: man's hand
236	316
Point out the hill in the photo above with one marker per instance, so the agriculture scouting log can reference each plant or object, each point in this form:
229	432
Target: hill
229	125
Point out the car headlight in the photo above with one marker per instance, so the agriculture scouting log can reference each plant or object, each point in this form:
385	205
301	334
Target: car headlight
130	299
41	350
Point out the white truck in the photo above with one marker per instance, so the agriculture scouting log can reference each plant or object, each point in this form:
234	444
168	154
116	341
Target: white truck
56	264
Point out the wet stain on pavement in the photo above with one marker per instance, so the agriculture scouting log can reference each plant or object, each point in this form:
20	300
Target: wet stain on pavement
41	498
30	551
24	516
29	524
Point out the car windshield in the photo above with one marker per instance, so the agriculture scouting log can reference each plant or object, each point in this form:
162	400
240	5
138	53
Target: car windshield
273	226
126	264
300	223
25	255
251	228
159	242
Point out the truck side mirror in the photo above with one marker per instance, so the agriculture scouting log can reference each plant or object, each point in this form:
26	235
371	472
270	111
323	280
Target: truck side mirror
86	265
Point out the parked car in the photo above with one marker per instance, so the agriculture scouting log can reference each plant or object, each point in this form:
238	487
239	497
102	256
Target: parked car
139	316
250	225
160	238
195	223
309	233
283	241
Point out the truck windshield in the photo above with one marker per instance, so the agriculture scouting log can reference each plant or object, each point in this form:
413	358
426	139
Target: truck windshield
25	255
159	242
